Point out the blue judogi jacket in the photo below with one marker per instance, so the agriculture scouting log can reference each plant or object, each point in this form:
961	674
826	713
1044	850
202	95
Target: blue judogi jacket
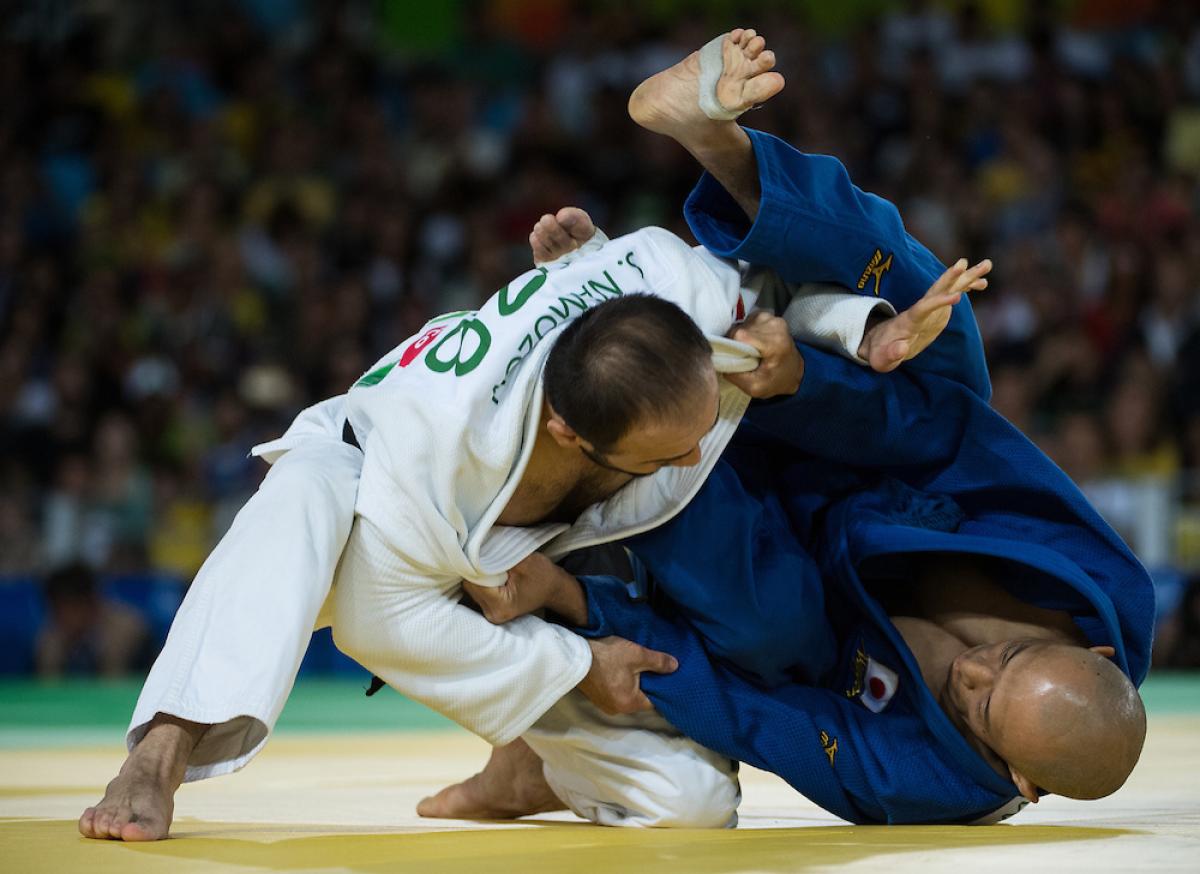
765	581
815	225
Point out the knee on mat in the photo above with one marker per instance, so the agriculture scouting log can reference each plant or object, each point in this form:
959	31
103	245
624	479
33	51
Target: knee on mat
705	800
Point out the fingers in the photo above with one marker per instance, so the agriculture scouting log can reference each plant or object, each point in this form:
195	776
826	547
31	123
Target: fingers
781	367
972	279
750	382
494	601
656	662
952	285
960	278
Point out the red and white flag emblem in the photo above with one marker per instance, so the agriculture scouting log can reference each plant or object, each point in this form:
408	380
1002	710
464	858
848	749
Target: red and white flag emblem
879	685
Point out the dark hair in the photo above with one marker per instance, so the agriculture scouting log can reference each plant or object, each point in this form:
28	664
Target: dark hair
621	362
70	582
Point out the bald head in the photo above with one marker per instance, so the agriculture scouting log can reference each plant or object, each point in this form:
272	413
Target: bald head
1065	719
1082	726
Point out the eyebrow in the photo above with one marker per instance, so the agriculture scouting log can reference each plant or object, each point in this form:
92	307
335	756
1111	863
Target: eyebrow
716	419
1012	652
1008	656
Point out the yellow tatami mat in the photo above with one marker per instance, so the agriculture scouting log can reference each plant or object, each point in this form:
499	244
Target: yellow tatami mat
344	803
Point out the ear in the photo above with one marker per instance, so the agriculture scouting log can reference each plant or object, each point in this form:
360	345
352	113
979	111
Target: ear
1025	786
564	435
1107	651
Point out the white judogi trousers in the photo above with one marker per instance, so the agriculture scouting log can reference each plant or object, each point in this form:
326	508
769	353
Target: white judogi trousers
633	771
236	644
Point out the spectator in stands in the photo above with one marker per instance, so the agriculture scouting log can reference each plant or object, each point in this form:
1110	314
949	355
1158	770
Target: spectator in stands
1177	640
87	635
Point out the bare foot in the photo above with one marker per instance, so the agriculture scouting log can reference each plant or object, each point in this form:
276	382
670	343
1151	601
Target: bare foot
140	801
668	102
510	785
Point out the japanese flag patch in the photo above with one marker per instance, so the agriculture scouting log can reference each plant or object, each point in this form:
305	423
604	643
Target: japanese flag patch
879	685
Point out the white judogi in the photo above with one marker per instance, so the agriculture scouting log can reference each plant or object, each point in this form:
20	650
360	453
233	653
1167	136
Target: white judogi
447	424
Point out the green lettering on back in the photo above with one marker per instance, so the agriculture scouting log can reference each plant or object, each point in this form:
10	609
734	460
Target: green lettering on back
507	307
463	330
614	289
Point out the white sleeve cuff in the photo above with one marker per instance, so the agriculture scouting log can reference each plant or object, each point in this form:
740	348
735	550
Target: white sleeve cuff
598	239
832	318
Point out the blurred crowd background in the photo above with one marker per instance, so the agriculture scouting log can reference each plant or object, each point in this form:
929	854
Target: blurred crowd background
213	213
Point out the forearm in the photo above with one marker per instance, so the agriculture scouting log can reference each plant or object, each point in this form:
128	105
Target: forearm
848	414
494	680
569	602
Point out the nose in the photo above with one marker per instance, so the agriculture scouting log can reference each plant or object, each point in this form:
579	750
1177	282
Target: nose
974	673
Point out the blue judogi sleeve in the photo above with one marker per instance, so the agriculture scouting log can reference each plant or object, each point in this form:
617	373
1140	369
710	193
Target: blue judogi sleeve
815	225
936	436
827	747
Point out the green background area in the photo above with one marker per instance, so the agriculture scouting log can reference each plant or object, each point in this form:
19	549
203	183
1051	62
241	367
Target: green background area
41	714
416	27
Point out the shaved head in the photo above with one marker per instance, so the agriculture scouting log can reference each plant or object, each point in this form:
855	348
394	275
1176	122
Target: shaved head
1065	719
1084	725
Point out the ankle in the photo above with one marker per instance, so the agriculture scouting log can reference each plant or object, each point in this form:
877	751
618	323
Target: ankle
163	752
720	142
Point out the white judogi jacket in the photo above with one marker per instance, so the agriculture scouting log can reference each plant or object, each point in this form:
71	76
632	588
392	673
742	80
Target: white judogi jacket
447	422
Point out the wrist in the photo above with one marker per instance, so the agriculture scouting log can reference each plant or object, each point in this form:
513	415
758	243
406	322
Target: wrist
569	601
874	319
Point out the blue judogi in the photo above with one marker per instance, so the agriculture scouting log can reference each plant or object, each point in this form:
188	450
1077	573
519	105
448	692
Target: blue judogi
769	576
815	225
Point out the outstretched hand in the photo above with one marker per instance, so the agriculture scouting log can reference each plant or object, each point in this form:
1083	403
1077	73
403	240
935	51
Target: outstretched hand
555	235
893	341
614	682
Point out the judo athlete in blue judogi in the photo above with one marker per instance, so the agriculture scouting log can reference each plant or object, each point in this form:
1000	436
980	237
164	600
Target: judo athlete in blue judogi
884	593
839	509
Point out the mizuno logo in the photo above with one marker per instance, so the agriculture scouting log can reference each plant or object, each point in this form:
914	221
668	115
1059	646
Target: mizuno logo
877	266
829	744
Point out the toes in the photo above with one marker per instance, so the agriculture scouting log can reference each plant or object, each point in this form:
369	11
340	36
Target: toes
438	806
115	825
86	823
747	36
754	47
139	831
762	88
764	62
101	823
